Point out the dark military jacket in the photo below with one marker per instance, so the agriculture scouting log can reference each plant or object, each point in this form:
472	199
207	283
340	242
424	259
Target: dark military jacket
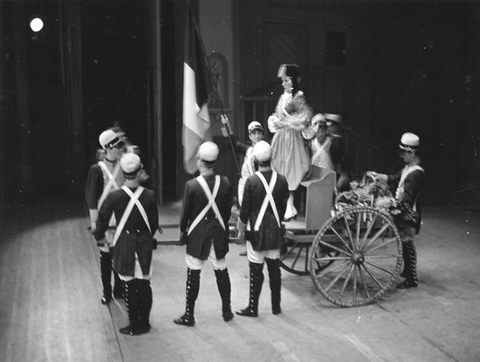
270	235
209	230
135	236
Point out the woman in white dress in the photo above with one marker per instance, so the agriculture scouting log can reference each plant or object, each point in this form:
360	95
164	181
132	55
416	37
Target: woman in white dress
290	125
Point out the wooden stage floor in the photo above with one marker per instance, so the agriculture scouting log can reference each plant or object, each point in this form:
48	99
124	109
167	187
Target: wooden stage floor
50	309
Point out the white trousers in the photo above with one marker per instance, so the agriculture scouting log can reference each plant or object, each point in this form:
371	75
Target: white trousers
197	264
258	257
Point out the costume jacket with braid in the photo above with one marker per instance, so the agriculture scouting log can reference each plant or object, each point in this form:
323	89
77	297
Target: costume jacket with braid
412	185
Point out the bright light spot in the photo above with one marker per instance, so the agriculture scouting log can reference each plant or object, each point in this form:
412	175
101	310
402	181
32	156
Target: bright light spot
36	25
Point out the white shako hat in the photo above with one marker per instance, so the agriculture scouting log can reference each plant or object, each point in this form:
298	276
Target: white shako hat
409	142
208	152
109	139
255	125
320	119
262	152
130	163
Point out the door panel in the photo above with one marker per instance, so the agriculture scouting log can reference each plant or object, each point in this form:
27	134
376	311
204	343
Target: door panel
285	44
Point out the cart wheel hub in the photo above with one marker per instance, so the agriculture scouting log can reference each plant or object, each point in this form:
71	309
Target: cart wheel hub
357	258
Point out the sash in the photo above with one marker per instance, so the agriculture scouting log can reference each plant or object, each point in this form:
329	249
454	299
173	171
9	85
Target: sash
321	156
401	188
126	214
211	203
112	183
267	200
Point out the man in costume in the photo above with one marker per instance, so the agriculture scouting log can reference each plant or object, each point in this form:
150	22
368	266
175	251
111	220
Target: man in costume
136	210
409	181
264	203
104	177
206	210
328	150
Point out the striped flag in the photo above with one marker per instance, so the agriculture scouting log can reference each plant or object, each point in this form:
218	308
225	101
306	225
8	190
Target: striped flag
197	86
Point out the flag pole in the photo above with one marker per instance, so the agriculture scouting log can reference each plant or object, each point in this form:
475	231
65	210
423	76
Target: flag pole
227	125
209	74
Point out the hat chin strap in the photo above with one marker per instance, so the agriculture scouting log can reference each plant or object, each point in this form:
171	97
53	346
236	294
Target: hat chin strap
406	148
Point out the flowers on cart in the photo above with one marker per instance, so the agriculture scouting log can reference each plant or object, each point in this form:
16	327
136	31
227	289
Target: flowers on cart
362	193
375	193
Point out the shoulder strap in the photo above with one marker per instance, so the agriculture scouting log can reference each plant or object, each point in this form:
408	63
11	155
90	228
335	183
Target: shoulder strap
268	199
140	207
400	187
211	203
126	214
112	183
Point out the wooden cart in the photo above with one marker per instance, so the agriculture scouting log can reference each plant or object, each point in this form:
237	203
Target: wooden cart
353	256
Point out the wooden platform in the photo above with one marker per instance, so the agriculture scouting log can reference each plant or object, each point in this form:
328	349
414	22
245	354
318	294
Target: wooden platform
50	309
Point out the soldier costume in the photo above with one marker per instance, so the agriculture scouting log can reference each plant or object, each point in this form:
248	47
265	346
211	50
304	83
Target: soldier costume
136	209
328	150
204	220
104	177
264	203
408	182
256	133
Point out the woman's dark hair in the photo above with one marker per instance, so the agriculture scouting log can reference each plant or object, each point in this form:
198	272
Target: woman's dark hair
295	85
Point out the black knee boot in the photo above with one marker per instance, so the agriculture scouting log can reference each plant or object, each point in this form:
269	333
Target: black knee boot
405	260
118	287
275	284
410	266
132	303
106	275
256	281
224	287
145	305
193	286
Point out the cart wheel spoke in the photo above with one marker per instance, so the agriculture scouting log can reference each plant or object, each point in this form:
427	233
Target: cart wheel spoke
373	276
379	246
334	247
325	271
340	237
367	232
295	258
350	246
380	267
354	287
347	279
364	283
376	236
332	283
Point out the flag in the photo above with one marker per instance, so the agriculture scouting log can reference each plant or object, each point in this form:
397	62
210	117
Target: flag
197	86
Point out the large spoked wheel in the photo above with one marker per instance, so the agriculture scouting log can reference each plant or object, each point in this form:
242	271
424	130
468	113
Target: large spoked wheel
361	251
295	256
